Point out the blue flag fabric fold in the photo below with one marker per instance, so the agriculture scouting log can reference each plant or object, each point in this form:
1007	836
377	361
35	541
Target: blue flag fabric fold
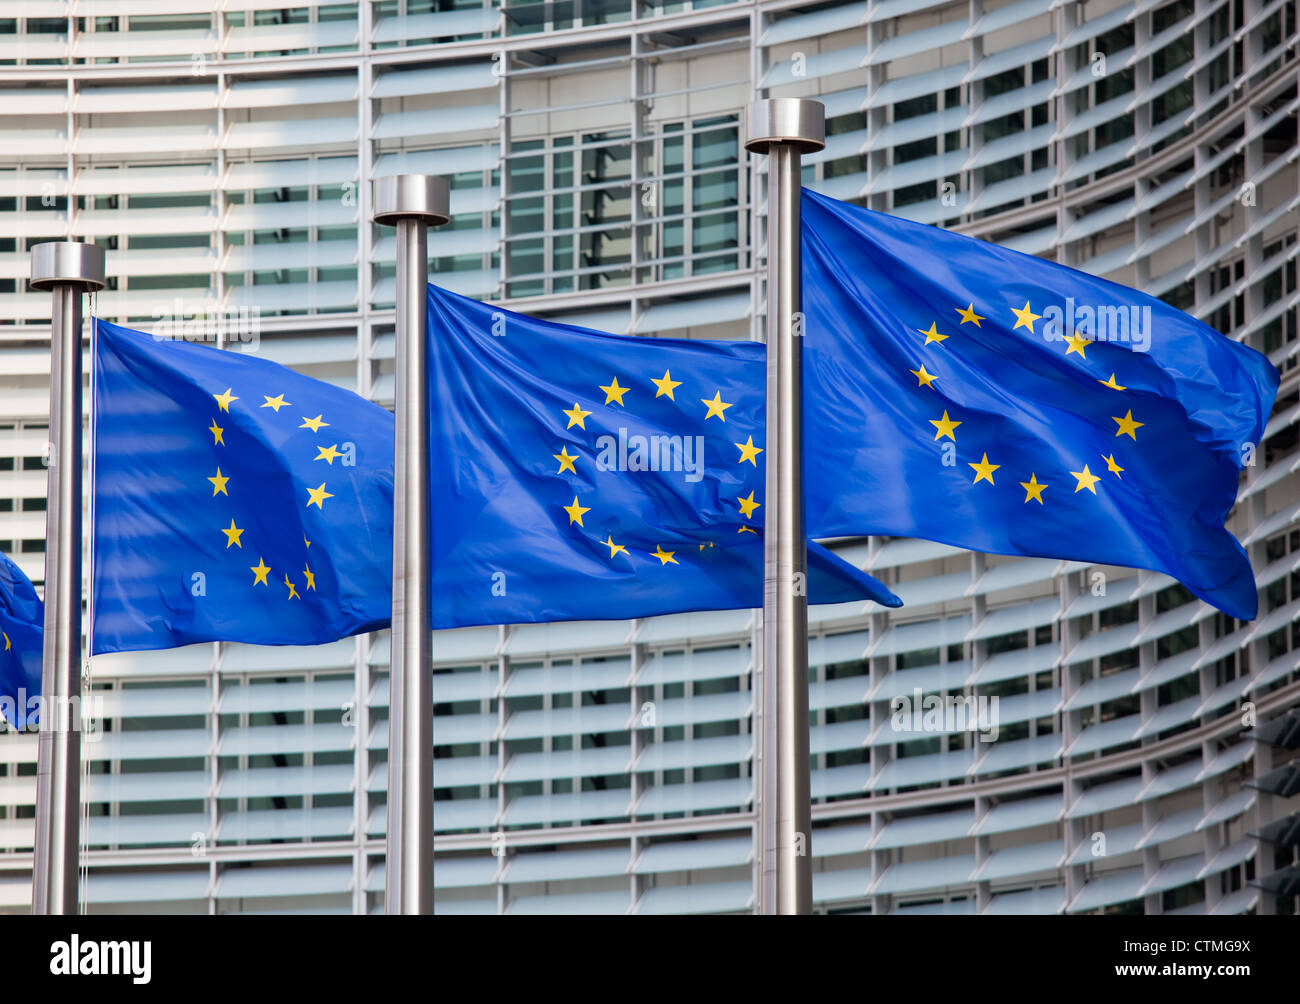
965	393
579	475
235	500
22	632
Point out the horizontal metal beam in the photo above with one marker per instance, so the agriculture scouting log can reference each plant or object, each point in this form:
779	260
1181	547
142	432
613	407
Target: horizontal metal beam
1018	784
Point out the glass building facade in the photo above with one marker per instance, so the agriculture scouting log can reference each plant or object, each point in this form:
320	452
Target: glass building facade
1147	754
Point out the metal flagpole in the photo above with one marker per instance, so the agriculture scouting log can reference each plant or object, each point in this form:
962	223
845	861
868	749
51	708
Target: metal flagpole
411	203
66	269
784	129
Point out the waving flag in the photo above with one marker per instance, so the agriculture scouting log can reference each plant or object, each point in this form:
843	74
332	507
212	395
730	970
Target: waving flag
234	500
969	394
580	475
22	631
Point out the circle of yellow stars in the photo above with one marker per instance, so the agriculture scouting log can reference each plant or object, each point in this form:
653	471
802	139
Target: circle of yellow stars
946	426
315	496
665	386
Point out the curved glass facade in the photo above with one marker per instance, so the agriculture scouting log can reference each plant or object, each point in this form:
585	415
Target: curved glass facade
1145	758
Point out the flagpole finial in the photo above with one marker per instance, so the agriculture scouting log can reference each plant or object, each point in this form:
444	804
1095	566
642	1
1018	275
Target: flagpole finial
412	196
799	122
67	263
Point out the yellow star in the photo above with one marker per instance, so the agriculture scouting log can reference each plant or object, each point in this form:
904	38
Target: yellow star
933	334
1111	383
306	542
219	484
1086	480
1077	344
311	578
8	644
317	497
1025	318
216	431
614	392
575	512
944	426
259	572
224	399
666	557
576	416
327	453
748	505
566	460
1127	426
232	536
1113	467
748	451
613	548
665	386
275	403
984	470
746	529
923	379
312	423
969	315
293	590
716	407
1033	490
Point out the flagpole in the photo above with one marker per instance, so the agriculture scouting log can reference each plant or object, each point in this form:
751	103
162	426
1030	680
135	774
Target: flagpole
411	203
67	269
784	129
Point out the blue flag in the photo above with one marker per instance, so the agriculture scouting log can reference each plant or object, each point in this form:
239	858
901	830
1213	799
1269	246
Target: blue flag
234	500
581	475
965	393
22	632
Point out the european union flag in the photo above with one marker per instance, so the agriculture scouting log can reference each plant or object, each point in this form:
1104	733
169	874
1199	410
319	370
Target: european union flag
22	633
581	475
234	500
969	394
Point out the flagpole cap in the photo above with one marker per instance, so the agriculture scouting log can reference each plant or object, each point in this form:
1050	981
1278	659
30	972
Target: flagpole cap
798	122
68	263
412	197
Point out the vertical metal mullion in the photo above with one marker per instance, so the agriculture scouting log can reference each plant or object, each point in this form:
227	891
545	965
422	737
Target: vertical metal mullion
219	235
503	677
759	61
637	659
975	140
634	167
360	770
1071	829
503	160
